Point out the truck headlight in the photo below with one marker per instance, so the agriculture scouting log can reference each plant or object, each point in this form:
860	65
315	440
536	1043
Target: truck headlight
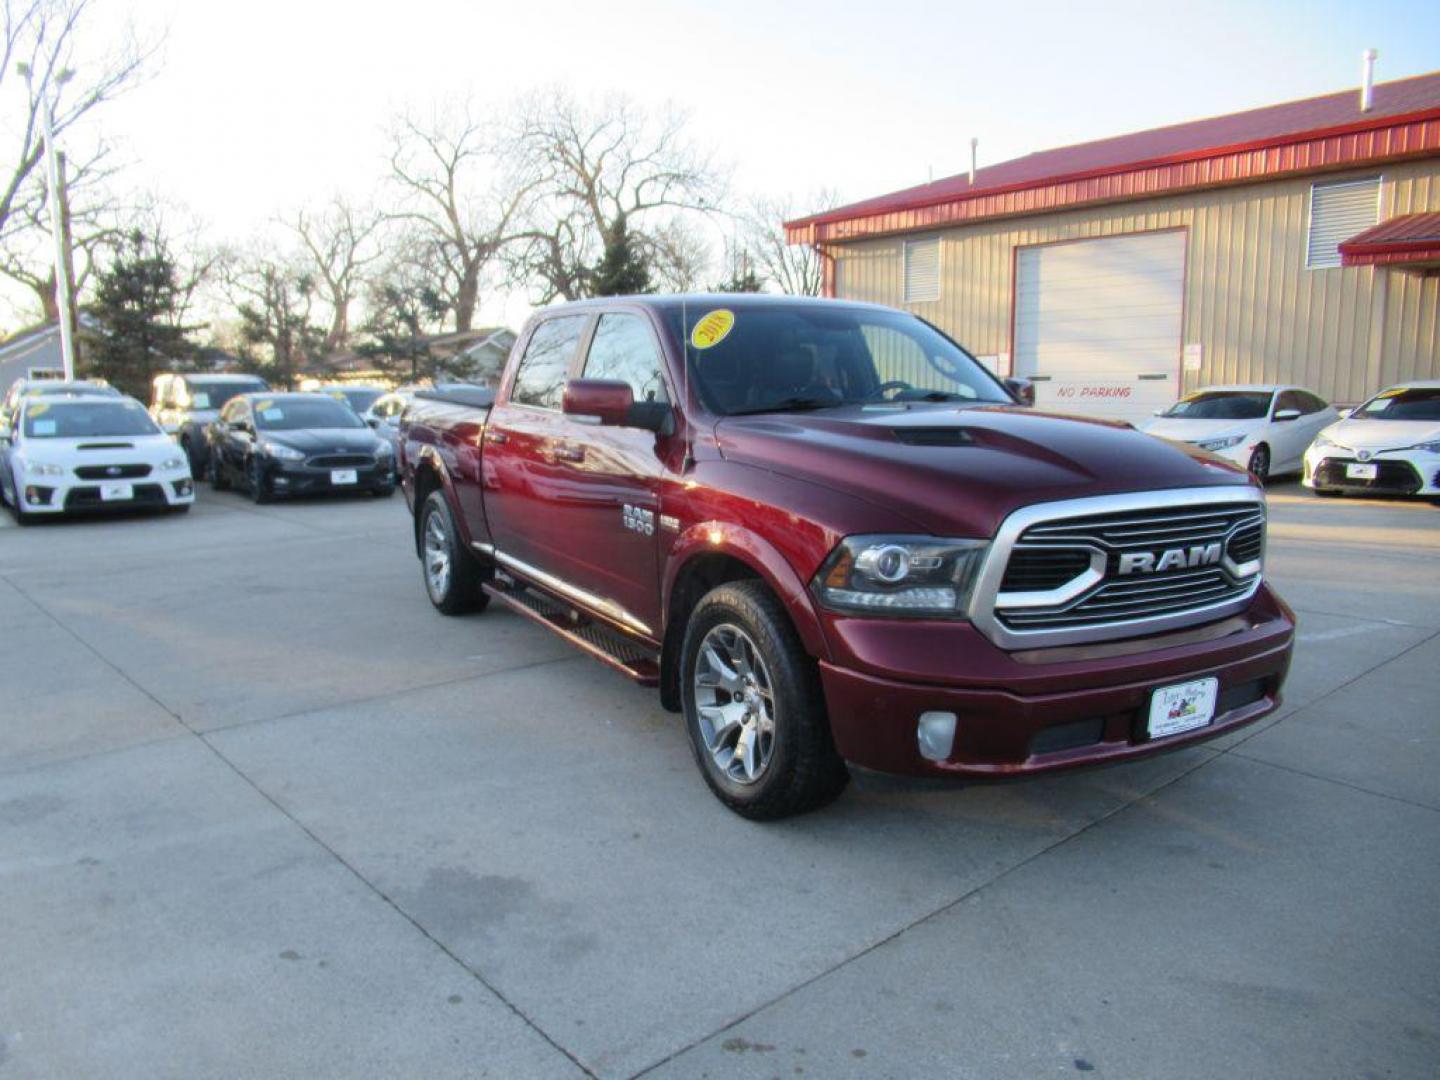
1222	443
899	575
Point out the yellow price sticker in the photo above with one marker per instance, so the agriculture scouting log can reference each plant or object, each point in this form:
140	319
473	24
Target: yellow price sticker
261	406
38	408
712	328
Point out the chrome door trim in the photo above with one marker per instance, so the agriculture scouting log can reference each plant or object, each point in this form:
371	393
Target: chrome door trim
601	606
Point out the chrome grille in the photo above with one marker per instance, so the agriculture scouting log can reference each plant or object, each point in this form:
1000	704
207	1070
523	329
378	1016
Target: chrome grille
1055	572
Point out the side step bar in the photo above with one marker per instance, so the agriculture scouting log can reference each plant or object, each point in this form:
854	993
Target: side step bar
625	655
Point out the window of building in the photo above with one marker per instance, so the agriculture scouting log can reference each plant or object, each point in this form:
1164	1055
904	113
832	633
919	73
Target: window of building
1338	210
624	348
922	270
540	381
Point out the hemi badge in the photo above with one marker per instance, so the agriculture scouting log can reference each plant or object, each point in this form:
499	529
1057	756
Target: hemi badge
667	521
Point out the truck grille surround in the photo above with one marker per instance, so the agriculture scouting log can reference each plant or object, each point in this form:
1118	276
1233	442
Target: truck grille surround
1112	567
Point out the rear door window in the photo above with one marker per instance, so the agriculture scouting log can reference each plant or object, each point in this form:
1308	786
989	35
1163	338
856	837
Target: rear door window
624	349
540	381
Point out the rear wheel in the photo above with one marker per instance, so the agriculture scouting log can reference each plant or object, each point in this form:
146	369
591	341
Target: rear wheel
753	706
1260	463
452	574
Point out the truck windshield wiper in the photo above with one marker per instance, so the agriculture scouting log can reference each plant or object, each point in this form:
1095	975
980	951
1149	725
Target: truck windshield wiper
790	404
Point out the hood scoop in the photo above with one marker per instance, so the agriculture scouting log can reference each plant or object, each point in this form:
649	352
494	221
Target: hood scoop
106	446
934	436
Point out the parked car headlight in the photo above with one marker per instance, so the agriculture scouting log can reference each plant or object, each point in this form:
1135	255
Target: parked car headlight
1222	443
1324	442
42	468
899	575
173	463
384	449
281	452
1428	447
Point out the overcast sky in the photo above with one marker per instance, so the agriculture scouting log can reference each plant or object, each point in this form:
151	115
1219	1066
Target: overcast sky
258	107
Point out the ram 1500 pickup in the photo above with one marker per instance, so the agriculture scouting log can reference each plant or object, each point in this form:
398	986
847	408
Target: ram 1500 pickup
830	536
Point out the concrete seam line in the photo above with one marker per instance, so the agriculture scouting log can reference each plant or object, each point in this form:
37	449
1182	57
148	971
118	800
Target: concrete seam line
204	741
1339	783
1360	618
71	759
948	906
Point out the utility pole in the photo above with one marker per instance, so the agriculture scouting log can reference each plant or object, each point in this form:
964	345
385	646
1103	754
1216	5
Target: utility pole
77	353
57	215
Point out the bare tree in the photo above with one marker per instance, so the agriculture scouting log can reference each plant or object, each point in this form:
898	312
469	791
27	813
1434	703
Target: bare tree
462	202
603	173
340	241
275	301
796	269
37	44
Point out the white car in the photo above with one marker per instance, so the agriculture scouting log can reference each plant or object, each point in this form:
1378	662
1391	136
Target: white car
74	452
1389	446
1262	428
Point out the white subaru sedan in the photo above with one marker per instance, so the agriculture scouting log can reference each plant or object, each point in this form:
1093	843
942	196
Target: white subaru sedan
1263	428
1390	445
82	452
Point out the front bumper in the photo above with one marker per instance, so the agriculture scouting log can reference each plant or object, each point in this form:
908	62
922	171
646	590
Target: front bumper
1398	472
300	478
1042	710
62	495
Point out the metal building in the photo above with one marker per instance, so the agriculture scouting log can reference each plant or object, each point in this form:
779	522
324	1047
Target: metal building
1294	243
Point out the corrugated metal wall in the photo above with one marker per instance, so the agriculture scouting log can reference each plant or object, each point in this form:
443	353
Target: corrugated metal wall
1257	312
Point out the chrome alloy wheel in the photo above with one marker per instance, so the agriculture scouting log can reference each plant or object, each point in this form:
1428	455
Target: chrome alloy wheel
437	558
735	703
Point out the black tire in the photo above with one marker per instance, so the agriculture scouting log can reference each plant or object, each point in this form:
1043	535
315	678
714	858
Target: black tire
383	492
255	482
1327	493
197	467
460	591
803	771
219	478
1260	463
182	509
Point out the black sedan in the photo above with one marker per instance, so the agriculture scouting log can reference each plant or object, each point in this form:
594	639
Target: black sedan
273	444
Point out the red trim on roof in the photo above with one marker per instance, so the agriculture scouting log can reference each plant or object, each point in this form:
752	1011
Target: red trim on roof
1051	180
1407	239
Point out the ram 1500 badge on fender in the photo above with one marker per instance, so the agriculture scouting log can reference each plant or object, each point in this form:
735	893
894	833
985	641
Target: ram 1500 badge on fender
829	536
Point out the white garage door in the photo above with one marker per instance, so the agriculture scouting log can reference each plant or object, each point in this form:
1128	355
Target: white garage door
1097	323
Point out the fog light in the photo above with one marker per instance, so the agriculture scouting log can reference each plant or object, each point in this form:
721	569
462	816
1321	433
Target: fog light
936	734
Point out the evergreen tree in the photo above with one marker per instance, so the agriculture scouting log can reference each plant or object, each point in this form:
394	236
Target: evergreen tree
138	302
623	269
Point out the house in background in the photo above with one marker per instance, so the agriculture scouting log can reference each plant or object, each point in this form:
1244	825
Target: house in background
1293	243
34	353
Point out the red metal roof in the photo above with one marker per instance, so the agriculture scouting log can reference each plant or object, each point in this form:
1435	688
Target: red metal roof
1406	239
1325	132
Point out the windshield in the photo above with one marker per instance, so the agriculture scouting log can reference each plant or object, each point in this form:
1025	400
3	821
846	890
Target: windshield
358	398
1401	404
297	413
1222	405
759	358
86	419
212	395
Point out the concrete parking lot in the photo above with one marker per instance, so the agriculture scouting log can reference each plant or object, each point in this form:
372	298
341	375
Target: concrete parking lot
264	813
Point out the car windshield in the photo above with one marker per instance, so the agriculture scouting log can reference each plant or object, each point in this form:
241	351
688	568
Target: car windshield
297	413
86	419
206	394
358	398
1222	405
782	357
1401	404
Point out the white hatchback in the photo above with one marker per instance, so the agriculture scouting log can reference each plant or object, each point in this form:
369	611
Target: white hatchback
80	452
1263	428
1390	445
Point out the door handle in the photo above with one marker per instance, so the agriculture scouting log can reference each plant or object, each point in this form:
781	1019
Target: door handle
570	453
496	437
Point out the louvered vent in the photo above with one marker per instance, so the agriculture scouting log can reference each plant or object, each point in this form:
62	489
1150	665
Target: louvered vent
1337	212
922	270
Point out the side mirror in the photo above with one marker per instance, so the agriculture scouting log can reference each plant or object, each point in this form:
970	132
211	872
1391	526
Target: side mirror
1022	389
1281	415
373	422
611	402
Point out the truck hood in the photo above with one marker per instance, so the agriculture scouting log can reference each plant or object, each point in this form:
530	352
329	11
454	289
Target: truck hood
1377	435
959	470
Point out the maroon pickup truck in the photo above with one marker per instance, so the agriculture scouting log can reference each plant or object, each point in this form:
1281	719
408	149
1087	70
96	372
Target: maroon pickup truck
830	536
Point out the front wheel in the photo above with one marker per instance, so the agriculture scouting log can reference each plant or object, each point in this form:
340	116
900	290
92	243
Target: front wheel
219	476
1260	464
256	482
754	709
452	575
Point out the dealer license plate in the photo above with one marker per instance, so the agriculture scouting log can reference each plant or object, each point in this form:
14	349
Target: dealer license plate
1361	472
116	492
344	476
1182	707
